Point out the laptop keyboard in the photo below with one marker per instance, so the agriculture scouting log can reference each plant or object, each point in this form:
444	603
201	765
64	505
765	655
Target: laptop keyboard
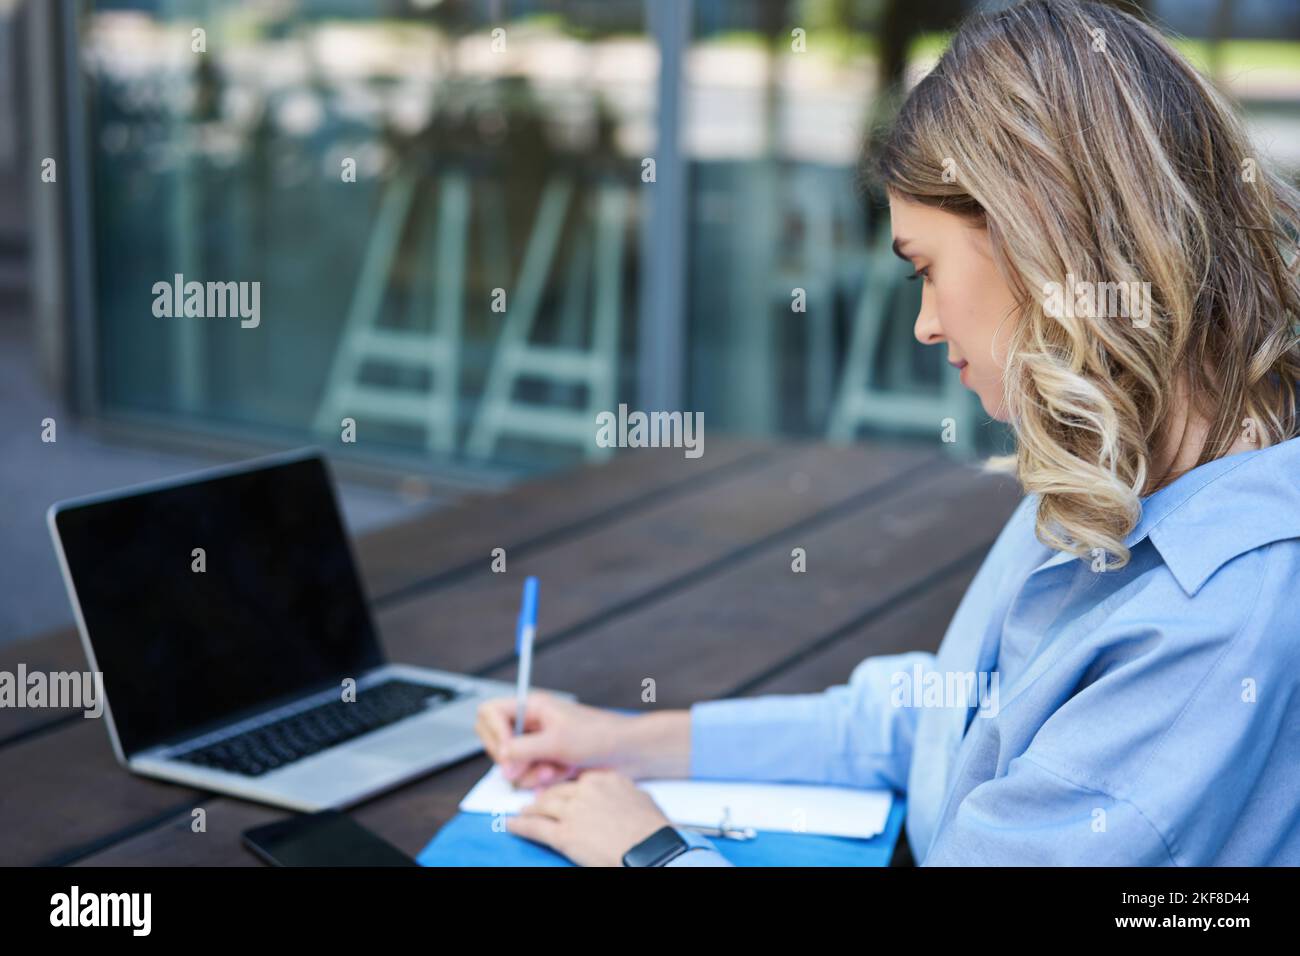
262	749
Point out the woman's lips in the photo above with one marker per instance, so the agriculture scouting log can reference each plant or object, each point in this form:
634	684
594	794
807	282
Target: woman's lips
960	367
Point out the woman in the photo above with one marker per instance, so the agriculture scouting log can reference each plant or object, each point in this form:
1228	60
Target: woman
1114	274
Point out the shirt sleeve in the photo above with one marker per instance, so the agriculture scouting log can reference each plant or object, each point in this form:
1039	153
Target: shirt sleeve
848	735
1033	816
701	853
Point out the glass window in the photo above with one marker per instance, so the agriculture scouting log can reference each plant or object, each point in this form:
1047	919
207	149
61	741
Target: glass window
403	218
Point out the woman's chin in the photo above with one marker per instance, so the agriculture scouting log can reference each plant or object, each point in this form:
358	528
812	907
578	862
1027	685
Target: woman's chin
993	406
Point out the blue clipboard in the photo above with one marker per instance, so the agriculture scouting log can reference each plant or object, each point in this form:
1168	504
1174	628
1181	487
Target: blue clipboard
468	839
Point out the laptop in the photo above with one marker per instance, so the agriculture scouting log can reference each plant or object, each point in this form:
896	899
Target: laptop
225	612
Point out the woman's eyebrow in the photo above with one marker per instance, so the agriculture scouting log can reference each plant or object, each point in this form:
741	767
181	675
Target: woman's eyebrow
898	251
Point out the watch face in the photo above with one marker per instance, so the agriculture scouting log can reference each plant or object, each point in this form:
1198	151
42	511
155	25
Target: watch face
656	849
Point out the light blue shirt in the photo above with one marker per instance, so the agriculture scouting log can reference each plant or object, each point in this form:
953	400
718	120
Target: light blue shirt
1148	715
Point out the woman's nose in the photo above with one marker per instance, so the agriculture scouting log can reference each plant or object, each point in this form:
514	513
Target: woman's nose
927	329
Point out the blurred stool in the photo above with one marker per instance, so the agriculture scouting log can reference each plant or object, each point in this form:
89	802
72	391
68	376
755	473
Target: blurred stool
597	260
435	351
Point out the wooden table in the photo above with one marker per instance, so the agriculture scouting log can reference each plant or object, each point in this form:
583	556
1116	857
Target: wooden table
654	565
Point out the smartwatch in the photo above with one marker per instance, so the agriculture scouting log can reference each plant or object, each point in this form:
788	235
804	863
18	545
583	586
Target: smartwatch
657	849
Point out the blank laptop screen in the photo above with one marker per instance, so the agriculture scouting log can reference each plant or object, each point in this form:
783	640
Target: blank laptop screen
271	607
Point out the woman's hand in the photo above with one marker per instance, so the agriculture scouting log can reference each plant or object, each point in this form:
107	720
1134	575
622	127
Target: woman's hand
592	820
560	738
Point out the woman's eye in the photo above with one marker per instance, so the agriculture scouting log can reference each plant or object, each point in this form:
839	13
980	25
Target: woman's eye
921	274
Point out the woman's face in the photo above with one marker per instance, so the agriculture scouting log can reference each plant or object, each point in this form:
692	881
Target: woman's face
965	301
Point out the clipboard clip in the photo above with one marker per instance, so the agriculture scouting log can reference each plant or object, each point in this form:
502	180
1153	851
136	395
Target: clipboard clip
724	830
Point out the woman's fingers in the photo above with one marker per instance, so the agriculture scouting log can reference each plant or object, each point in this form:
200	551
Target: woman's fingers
536	827
497	716
492	728
494	724
542	773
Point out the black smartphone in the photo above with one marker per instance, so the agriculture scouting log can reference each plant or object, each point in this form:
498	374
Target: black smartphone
327	838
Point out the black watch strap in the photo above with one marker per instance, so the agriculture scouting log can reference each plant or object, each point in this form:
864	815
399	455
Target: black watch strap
657	849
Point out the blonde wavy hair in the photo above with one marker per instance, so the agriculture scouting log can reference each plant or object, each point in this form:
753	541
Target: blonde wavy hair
1090	149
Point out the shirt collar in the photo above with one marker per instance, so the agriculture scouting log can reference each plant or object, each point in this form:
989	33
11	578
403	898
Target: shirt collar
1218	511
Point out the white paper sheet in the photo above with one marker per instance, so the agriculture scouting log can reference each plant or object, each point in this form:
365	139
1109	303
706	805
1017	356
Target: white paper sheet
778	807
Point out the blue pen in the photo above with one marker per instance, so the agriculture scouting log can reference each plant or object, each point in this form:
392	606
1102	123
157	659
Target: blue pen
524	632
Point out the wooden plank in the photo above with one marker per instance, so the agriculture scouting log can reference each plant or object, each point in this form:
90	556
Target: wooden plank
174	842
756	613
406	817
916	624
642	556
429	551
59	651
413	554
64	792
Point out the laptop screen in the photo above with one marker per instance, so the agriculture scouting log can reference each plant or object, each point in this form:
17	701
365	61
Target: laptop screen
271	606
